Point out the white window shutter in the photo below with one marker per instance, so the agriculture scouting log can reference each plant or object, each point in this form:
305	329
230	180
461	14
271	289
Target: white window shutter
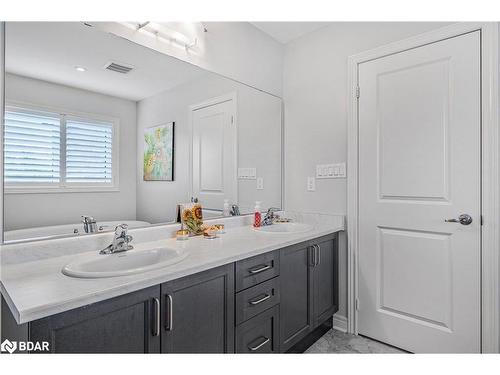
89	152
32	147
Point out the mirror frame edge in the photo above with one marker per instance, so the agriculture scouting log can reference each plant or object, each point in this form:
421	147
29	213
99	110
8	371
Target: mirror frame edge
2	108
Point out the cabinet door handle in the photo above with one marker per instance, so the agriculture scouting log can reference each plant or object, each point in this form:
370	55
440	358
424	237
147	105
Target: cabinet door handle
259	269
156	303
314	255
258	346
319	254
310	256
170	317
259	300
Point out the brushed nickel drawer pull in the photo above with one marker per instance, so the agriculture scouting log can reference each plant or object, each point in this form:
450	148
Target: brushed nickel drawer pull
259	269
260	300
254	348
156	302
170	317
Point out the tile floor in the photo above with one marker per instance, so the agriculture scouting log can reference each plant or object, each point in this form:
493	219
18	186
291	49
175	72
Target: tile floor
339	342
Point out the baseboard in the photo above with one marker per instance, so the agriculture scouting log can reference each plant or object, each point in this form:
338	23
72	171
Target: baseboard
340	323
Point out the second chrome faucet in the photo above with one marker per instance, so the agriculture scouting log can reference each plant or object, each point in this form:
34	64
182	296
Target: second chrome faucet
121	241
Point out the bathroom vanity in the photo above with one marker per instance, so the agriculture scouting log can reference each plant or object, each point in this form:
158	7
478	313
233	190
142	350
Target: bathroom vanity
264	303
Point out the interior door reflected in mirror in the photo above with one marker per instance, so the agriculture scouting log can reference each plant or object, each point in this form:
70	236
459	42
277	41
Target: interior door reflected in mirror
100	131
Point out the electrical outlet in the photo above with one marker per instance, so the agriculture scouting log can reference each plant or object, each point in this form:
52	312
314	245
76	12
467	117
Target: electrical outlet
260	183
311	184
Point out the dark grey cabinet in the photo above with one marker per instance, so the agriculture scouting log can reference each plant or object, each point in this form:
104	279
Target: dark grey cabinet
199	313
325	280
264	304
296	306
309	287
126	324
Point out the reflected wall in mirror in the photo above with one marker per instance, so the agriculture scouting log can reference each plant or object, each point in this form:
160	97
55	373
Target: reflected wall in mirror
79	103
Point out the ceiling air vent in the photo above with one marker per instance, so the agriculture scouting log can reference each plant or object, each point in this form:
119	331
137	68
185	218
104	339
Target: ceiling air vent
118	68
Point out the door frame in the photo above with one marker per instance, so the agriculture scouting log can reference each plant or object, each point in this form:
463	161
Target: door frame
490	172
233	97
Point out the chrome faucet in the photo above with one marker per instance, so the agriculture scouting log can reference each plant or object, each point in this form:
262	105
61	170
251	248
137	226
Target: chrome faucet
269	216
120	242
89	224
235	210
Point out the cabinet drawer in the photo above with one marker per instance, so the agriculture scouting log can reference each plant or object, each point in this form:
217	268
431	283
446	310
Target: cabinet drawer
259	334
255	270
256	299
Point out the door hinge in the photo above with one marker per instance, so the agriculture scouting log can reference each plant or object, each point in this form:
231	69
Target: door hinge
357	91
356	304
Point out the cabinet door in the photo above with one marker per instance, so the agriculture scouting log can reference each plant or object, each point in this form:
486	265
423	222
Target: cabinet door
325	279
125	324
199	313
296	309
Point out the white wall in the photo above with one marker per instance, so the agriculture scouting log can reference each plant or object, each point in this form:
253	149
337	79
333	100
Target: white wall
259	137
237	50
29	210
315	96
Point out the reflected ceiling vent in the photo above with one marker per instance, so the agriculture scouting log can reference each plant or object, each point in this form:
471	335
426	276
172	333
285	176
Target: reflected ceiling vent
118	68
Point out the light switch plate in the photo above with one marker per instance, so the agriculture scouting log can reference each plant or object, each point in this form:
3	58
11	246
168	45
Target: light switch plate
324	171
311	184
247	173
260	183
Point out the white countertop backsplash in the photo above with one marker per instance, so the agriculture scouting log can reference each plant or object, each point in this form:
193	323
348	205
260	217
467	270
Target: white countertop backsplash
34	287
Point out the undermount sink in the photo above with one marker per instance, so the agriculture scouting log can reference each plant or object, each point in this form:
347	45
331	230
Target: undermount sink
281	228
124	263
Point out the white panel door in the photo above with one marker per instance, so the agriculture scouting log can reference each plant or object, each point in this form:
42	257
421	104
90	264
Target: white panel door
214	155
419	164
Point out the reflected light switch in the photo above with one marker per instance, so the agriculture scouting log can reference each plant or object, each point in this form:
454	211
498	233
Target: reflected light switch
311	184
260	183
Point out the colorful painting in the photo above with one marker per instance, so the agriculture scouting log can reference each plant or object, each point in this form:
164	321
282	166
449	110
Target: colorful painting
159	153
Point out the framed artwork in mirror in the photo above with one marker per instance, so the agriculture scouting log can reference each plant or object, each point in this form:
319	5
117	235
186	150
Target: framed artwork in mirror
159	153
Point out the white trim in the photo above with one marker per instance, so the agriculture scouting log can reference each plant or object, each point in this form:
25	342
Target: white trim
114	186
490	323
340	323
233	97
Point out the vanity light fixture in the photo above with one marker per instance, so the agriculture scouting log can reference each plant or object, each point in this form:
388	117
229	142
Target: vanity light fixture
164	33
80	69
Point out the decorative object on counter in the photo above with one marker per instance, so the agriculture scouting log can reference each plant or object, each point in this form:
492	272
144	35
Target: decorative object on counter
182	235
226	211
210	232
220	228
257	215
159	153
192	218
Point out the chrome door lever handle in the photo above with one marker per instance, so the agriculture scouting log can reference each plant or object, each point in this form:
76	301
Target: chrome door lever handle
463	219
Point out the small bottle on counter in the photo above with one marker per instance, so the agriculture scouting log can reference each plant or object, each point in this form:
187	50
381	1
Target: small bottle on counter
226	209
257	215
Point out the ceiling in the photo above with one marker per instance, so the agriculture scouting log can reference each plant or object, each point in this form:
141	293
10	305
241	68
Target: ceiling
50	51
285	32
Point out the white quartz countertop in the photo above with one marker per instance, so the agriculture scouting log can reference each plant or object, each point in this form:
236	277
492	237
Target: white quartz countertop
37	288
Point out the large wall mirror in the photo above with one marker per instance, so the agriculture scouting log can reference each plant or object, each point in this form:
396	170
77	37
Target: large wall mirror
98	126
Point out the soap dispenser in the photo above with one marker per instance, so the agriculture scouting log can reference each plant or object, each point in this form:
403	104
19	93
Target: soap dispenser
257	215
